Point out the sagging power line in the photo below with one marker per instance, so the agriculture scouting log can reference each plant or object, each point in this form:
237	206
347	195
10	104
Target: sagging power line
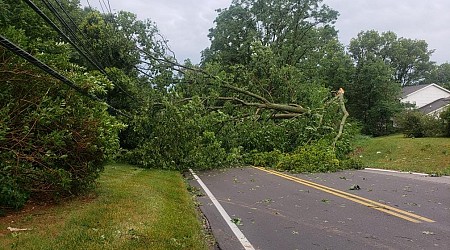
69	40
36	62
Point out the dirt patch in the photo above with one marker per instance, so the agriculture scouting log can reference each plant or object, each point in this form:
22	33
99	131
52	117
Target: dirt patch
45	211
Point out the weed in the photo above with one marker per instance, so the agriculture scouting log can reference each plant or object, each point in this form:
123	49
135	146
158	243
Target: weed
237	221
195	191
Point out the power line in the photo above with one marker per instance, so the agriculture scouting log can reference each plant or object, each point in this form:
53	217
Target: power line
63	22
101	6
109	5
72	33
70	18
36	62
61	33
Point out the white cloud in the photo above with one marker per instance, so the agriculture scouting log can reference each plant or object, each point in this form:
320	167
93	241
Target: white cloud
186	23
415	19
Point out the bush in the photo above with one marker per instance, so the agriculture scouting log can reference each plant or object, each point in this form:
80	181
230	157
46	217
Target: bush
54	150
53	140
11	193
264	159
208	153
317	157
445	118
179	137
351	163
413	123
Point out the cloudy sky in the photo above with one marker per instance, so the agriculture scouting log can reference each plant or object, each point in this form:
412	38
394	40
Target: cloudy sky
185	23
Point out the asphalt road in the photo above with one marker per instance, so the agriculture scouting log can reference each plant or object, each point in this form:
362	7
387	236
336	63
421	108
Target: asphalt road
319	211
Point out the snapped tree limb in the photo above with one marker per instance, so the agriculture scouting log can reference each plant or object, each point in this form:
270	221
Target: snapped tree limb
340	96
296	110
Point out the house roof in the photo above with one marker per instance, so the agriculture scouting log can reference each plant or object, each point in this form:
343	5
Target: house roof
411	89
435	105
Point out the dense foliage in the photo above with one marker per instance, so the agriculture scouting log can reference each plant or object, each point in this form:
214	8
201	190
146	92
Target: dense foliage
413	123
440	74
236	104
53	140
384	63
445	118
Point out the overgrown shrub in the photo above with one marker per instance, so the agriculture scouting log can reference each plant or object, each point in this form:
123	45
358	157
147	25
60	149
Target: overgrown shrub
316	157
12	195
351	163
413	123
445	119
208	153
53	141
179	137
264	159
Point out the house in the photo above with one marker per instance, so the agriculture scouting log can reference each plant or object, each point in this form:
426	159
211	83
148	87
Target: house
430	99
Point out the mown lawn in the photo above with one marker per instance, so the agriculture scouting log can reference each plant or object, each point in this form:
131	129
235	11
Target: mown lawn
132	208
425	155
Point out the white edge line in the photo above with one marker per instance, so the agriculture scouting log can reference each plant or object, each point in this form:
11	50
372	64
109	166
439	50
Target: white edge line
245	243
394	171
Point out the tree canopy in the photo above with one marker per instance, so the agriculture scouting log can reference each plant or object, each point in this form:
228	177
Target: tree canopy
409	59
440	74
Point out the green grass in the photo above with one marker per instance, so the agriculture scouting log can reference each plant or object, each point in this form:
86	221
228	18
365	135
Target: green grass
425	155
132	208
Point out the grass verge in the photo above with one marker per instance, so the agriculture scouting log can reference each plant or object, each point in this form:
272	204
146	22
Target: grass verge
132	208
424	155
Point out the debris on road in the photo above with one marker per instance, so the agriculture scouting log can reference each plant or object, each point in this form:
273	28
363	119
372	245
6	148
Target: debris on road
13	229
237	221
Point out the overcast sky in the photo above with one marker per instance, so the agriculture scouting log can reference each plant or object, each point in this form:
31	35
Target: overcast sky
185	23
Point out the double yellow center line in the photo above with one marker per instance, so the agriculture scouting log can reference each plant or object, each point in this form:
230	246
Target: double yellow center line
363	201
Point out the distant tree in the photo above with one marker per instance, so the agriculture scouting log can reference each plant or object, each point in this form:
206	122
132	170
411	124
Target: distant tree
440	75
285	50
232	37
409	59
373	96
383	63
294	30
336	68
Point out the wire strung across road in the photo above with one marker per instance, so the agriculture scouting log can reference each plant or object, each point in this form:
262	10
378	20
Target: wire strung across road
60	32
70	19
69	40
36	62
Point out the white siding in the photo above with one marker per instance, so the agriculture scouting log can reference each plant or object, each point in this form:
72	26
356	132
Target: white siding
438	112
426	95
